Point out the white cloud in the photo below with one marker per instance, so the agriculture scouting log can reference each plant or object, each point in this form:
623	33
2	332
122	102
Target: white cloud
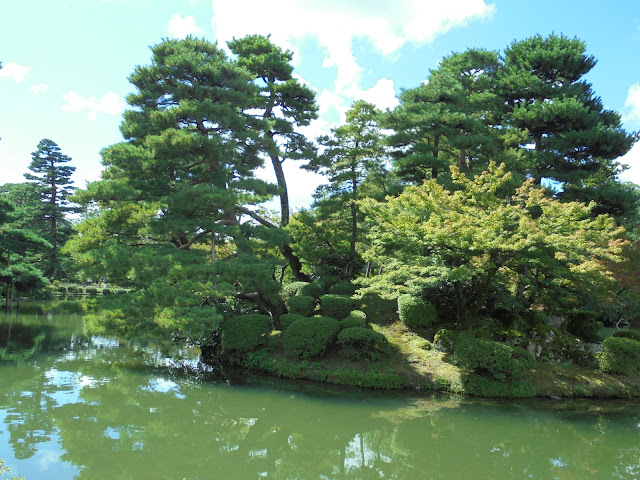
632	105
14	71
180	27
632	158
335	24
39	88
110	103
382	94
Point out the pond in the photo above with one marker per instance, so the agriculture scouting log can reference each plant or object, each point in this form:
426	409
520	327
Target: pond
78	407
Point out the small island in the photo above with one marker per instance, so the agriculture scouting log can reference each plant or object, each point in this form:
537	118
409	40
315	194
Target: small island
475	239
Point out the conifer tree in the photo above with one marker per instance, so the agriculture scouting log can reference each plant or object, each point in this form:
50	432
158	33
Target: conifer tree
52	178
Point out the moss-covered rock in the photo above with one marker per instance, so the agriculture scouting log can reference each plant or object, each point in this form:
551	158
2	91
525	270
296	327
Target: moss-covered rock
443	340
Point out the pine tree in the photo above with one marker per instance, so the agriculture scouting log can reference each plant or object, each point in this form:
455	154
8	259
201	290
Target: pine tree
565	132
52	178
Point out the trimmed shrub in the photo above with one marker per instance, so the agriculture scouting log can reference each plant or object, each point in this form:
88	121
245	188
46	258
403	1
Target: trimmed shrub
620	356
91	291
337	306
309	337
243	334
627	334
415	312
106	291
313	289
74	289
301	304
583	324
356	318
343	288
359	343
288	318
499	360
292	289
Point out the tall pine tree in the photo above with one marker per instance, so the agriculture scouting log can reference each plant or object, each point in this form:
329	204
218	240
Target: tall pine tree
52	178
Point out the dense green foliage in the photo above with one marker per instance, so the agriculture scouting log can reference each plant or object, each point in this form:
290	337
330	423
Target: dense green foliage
416	312
356	318
51	178
242	334
463	247
434	212
358	343
620	356
337	306
309	337
287	319
301	304
627	334
584	324
495	359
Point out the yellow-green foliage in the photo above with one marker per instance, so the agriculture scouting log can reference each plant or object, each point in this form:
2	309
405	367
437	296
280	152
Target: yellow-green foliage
309	337
620	356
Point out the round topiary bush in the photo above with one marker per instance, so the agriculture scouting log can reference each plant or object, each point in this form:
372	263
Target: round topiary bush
343	288
416	312
359	343
309	337
292	289
337	306
243	334
301	304
106	291
620	356
313	289
499	360
627	334
91	291
288	318
356	318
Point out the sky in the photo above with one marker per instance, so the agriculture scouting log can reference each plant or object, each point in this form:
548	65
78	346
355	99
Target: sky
66	62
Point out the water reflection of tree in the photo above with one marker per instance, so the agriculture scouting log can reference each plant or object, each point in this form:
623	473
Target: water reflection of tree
120	416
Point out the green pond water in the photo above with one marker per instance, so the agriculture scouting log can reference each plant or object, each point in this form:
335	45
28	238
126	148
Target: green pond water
73	406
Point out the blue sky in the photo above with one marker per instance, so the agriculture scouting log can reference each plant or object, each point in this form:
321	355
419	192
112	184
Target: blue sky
66	62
